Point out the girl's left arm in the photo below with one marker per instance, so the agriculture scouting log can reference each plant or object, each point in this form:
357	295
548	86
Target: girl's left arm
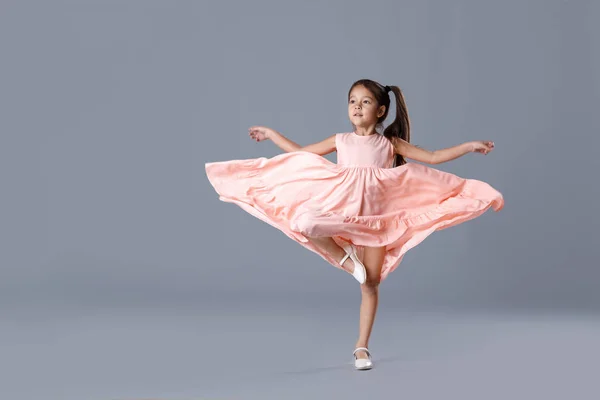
411	151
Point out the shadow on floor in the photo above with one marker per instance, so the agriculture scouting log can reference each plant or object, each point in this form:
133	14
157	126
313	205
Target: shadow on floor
341	367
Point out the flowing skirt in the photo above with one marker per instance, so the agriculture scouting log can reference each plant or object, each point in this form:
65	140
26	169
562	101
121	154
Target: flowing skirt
305	195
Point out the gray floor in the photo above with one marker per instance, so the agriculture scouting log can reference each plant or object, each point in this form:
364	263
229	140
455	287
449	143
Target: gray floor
263	352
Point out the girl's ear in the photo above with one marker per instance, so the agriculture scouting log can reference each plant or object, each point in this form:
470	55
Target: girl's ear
381	111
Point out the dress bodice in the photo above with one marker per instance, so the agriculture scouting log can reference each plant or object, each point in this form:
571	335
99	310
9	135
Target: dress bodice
374	150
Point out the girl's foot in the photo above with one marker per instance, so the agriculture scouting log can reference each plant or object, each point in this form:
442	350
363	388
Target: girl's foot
361	354
348	265
356	267
362	358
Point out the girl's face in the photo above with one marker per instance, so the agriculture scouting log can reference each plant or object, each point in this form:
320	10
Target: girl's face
362	107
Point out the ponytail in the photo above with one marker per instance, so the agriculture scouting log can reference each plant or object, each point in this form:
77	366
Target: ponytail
400	128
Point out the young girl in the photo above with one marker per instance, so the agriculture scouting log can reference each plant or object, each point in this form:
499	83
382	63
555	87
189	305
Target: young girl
365	212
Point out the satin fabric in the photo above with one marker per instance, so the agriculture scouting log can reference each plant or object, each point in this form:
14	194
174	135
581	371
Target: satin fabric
361	199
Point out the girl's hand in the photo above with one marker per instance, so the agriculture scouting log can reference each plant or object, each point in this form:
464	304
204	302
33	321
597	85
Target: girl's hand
482	146
259	133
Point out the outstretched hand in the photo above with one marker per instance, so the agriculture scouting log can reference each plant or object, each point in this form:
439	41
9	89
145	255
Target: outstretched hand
482	146
259	133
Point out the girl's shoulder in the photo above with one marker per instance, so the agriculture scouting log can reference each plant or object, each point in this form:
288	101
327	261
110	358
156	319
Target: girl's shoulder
341	135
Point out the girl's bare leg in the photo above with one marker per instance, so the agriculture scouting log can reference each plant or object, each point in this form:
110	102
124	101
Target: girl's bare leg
331	247
373	261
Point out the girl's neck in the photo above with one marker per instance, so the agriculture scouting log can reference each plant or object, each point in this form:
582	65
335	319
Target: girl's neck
363	133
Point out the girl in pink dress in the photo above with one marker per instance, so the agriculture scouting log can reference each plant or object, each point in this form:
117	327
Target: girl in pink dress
365	212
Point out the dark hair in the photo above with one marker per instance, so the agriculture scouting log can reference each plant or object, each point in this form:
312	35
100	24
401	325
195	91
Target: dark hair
401	126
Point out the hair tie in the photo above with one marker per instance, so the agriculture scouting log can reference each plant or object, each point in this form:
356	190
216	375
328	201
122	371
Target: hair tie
387	89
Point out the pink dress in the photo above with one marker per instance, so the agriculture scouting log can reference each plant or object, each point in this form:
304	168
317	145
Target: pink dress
361	199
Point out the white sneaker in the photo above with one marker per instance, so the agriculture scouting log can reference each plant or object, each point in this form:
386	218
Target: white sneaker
360	272
362	363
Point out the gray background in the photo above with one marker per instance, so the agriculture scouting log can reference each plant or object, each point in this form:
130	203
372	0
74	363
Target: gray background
111	108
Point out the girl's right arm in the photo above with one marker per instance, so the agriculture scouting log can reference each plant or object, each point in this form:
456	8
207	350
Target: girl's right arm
323	147
282	142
